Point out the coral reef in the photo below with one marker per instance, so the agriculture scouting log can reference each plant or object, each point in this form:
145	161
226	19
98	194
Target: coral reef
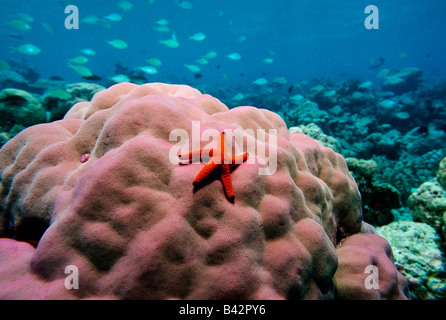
392	130
416	248
306	111
387	144
19	109
9	78
428	204
402	130
401	81
59	100
441	174
83	90
352	278
363	169
132	223
316	133
408	171
378	198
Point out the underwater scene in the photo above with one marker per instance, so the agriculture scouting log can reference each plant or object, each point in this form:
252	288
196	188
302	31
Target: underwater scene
222	150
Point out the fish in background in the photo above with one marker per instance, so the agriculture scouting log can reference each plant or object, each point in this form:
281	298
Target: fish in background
48	27
210	55
430	28
19	25
93	78
234	56
241	39
162	22
199	36
120	78
154	62
115	17
79	60
280	80
15	36
4	65
192	68
88	51
118	44
260	81
162	25
184	4
162	28
171	43
202	61
90	19
125	5
28	49
83	71
374	64
149	70
24	17
238	97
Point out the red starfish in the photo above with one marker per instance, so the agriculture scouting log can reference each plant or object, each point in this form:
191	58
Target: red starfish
216	158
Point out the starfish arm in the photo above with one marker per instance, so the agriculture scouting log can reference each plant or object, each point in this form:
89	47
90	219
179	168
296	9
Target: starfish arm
195	156
216	159
238	160
207	154
221	148
205	172
191	156
227	183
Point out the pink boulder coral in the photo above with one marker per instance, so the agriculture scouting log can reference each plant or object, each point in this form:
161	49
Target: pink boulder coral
132	223
360	256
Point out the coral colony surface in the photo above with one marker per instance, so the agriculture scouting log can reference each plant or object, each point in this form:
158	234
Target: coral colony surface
216	178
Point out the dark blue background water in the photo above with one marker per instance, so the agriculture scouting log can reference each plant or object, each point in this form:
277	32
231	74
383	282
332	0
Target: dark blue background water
318	38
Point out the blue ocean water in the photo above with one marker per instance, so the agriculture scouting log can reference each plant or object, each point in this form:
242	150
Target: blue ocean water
304	39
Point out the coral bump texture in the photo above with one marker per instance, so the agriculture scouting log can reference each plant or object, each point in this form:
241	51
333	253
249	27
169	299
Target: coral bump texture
359	253
129	220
